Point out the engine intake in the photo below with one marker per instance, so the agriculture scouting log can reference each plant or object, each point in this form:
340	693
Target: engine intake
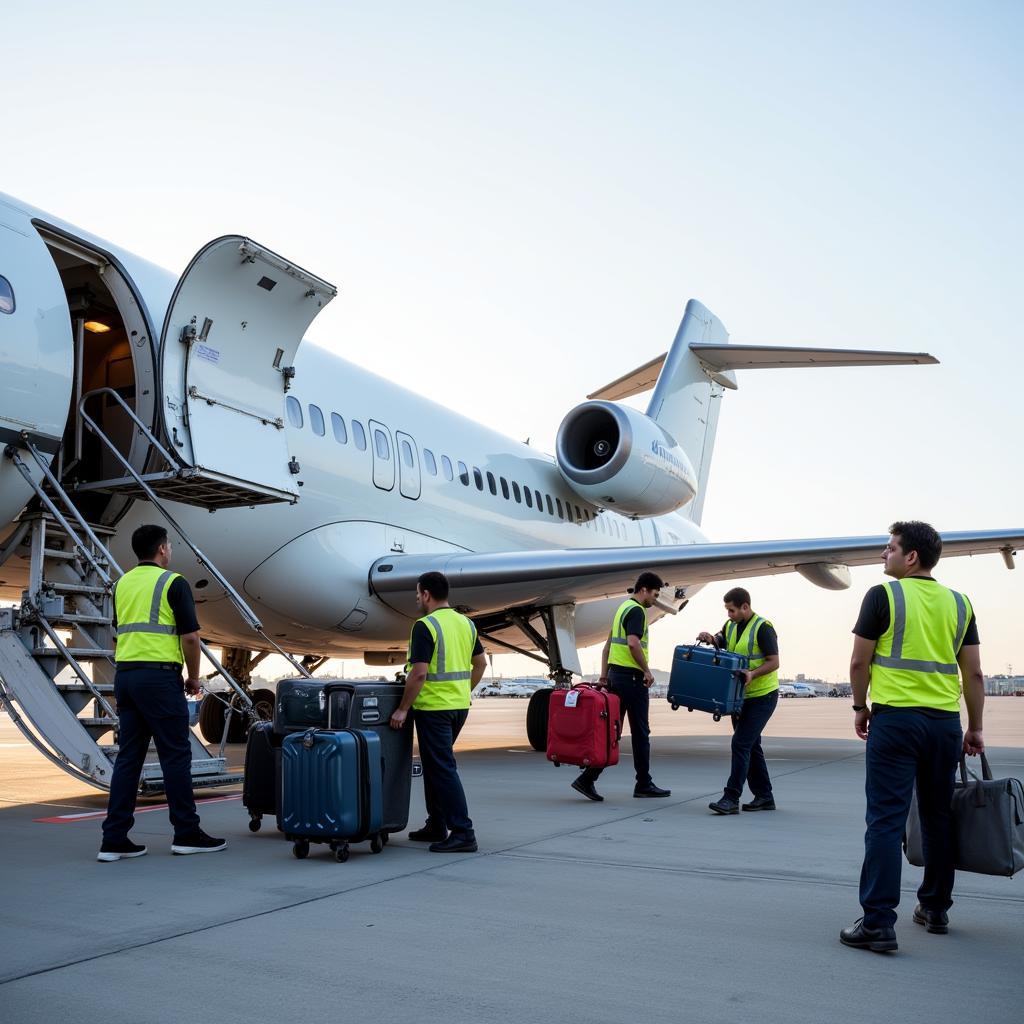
617	457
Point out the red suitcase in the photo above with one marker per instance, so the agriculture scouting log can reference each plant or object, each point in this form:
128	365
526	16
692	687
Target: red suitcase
584	726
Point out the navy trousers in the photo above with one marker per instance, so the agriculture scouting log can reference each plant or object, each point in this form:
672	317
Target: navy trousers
436	733
635	701
151	705
904	747
748	763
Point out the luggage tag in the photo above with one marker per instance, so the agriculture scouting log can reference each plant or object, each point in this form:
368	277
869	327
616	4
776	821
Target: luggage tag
572	698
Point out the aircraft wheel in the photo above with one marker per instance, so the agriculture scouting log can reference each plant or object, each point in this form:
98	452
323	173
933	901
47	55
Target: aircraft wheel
300	848
537	718
263	704
376	844
211	719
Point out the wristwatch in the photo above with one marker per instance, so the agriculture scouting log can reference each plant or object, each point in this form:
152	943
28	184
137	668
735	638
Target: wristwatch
860	707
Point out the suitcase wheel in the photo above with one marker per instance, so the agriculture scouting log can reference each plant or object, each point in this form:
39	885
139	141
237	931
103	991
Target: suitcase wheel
300	849
385	837
557	764
675	706
376	844
690	710
717	717
254	822
340	852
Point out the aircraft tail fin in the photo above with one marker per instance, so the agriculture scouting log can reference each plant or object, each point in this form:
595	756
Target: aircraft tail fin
689	381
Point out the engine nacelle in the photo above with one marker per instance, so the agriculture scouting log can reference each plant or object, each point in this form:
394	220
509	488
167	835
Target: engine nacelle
617	457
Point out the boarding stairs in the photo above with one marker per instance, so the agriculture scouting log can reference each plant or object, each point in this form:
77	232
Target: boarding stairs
57	648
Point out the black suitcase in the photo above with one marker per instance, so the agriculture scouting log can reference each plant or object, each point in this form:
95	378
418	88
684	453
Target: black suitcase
261	786
370	706
301	704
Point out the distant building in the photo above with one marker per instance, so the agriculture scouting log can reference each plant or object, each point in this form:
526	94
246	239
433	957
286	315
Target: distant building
1004	686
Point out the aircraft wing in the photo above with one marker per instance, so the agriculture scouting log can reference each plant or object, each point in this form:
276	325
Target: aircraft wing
485	582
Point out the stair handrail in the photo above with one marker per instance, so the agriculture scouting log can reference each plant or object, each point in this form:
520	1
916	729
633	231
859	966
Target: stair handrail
243	609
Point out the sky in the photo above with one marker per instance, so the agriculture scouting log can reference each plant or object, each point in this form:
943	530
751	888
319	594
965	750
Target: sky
517	200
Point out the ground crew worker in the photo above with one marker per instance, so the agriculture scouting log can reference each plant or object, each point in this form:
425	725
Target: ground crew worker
157	630
912	638
626	672
746	632
446	661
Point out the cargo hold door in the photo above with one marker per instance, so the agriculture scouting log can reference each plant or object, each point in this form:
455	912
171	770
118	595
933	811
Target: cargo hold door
233	327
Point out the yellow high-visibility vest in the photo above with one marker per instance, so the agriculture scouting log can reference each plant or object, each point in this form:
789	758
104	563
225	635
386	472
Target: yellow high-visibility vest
451	665
747	644
146	630
619	652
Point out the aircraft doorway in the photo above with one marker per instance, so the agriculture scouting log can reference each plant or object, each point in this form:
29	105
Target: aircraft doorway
383	456
113	349
409	481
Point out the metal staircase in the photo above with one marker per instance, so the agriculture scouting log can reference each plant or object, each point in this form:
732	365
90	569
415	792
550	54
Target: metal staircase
57	648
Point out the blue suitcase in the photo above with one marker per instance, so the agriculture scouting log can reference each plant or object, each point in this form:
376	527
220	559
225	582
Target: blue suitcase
332	790
707	679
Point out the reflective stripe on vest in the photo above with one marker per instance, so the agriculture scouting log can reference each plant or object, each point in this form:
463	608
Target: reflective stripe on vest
618	651
146	628
450	670
734	641
914	664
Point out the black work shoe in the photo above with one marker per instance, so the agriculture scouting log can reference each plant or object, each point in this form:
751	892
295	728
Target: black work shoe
116	850
761	803
429	834
726	805
587	789
455	844
934	921
650	790
878	940
197	842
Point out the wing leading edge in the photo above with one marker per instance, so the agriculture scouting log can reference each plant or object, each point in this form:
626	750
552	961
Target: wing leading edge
493	581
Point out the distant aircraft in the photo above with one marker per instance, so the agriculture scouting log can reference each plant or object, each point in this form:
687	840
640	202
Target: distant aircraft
332	488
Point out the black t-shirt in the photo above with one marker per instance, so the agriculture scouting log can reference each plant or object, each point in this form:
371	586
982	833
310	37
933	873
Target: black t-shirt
873	620
767	638
421	645
179	597
633	622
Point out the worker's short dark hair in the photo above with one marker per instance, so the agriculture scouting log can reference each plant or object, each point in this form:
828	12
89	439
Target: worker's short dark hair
648	581
920	537
435	584
737	597
146	541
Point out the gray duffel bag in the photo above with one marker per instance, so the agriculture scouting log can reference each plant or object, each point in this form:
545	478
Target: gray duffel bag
988	824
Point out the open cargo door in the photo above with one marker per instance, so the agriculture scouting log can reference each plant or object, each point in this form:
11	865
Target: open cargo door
228	346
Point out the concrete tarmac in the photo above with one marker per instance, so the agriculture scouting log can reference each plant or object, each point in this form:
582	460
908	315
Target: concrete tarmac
653	910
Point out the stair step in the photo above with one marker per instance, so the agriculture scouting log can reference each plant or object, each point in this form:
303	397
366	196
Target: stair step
73	617
74	588
79	687
79	653
110	749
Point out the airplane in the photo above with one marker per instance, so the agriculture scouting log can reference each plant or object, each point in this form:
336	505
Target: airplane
314	493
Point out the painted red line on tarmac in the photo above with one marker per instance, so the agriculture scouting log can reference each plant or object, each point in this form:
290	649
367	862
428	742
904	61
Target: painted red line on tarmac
68	819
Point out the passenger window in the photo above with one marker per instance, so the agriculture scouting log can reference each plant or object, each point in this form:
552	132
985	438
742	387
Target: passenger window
515	491
492	486
6	296
540	504
294	407
551	508
380	442
528	495
446	465
428	461
579	514
558	505
478	479
316	421
464	474
504	487
359	435
407	454
338	426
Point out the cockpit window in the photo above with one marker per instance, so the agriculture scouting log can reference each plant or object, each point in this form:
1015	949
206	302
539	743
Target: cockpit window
6	296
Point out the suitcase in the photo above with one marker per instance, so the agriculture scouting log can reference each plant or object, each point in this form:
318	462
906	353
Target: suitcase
370	706
707	679
331	790
300	704
261	786
584	727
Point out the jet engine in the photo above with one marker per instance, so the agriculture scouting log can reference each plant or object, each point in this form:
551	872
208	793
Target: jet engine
618	458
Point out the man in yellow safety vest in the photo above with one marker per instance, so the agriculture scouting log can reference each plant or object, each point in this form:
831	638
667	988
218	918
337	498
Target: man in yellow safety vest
914	641
626	672
446	661
157	632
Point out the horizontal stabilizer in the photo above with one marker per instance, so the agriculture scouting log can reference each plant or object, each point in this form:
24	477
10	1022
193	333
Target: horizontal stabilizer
719	358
